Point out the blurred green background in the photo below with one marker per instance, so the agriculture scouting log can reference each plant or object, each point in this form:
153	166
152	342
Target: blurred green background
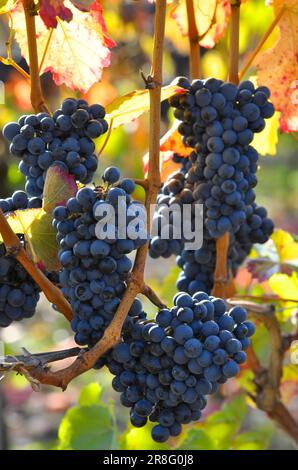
30	420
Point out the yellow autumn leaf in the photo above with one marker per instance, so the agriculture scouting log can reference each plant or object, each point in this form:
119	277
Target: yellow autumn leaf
129	107
266	141
6	5
286	287
285	244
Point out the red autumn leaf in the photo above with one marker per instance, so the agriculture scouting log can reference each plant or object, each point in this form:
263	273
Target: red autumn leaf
49	10
212	17
172	141
77	52
170	144
83	5
278	66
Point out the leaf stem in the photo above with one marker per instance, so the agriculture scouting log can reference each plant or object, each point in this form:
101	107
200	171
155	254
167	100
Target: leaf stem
46	50
10	61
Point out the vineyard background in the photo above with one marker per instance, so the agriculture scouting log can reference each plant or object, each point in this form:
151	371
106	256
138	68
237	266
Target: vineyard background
30	420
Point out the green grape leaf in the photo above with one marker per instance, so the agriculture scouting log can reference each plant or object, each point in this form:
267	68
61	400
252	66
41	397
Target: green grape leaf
254	440
6	5
43	243
219	428
40	235
90	395
58	188
169	289
88	426
265	142
129	107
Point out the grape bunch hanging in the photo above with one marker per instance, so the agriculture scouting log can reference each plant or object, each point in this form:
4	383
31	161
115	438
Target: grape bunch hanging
218	121
94	270
66	138
165	368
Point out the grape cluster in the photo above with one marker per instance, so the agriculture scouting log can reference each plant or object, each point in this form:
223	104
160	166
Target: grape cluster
66	137
219	120
198	265
19	294
165	368
95	268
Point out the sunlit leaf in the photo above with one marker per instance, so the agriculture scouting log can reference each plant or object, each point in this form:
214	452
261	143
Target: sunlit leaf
87	426
77	52
140	439
211	16
223	424
170	144
219	428
40	236
90	395
254	440
168	288
266	141
6	5
289	371
285	244
278	66
129	107
285	286
59	187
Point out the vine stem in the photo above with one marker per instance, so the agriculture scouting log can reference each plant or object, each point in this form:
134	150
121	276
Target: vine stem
222	285
13	245
262	42
136	284
29	360
36	96
268	381
221	267
193	37
234	42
